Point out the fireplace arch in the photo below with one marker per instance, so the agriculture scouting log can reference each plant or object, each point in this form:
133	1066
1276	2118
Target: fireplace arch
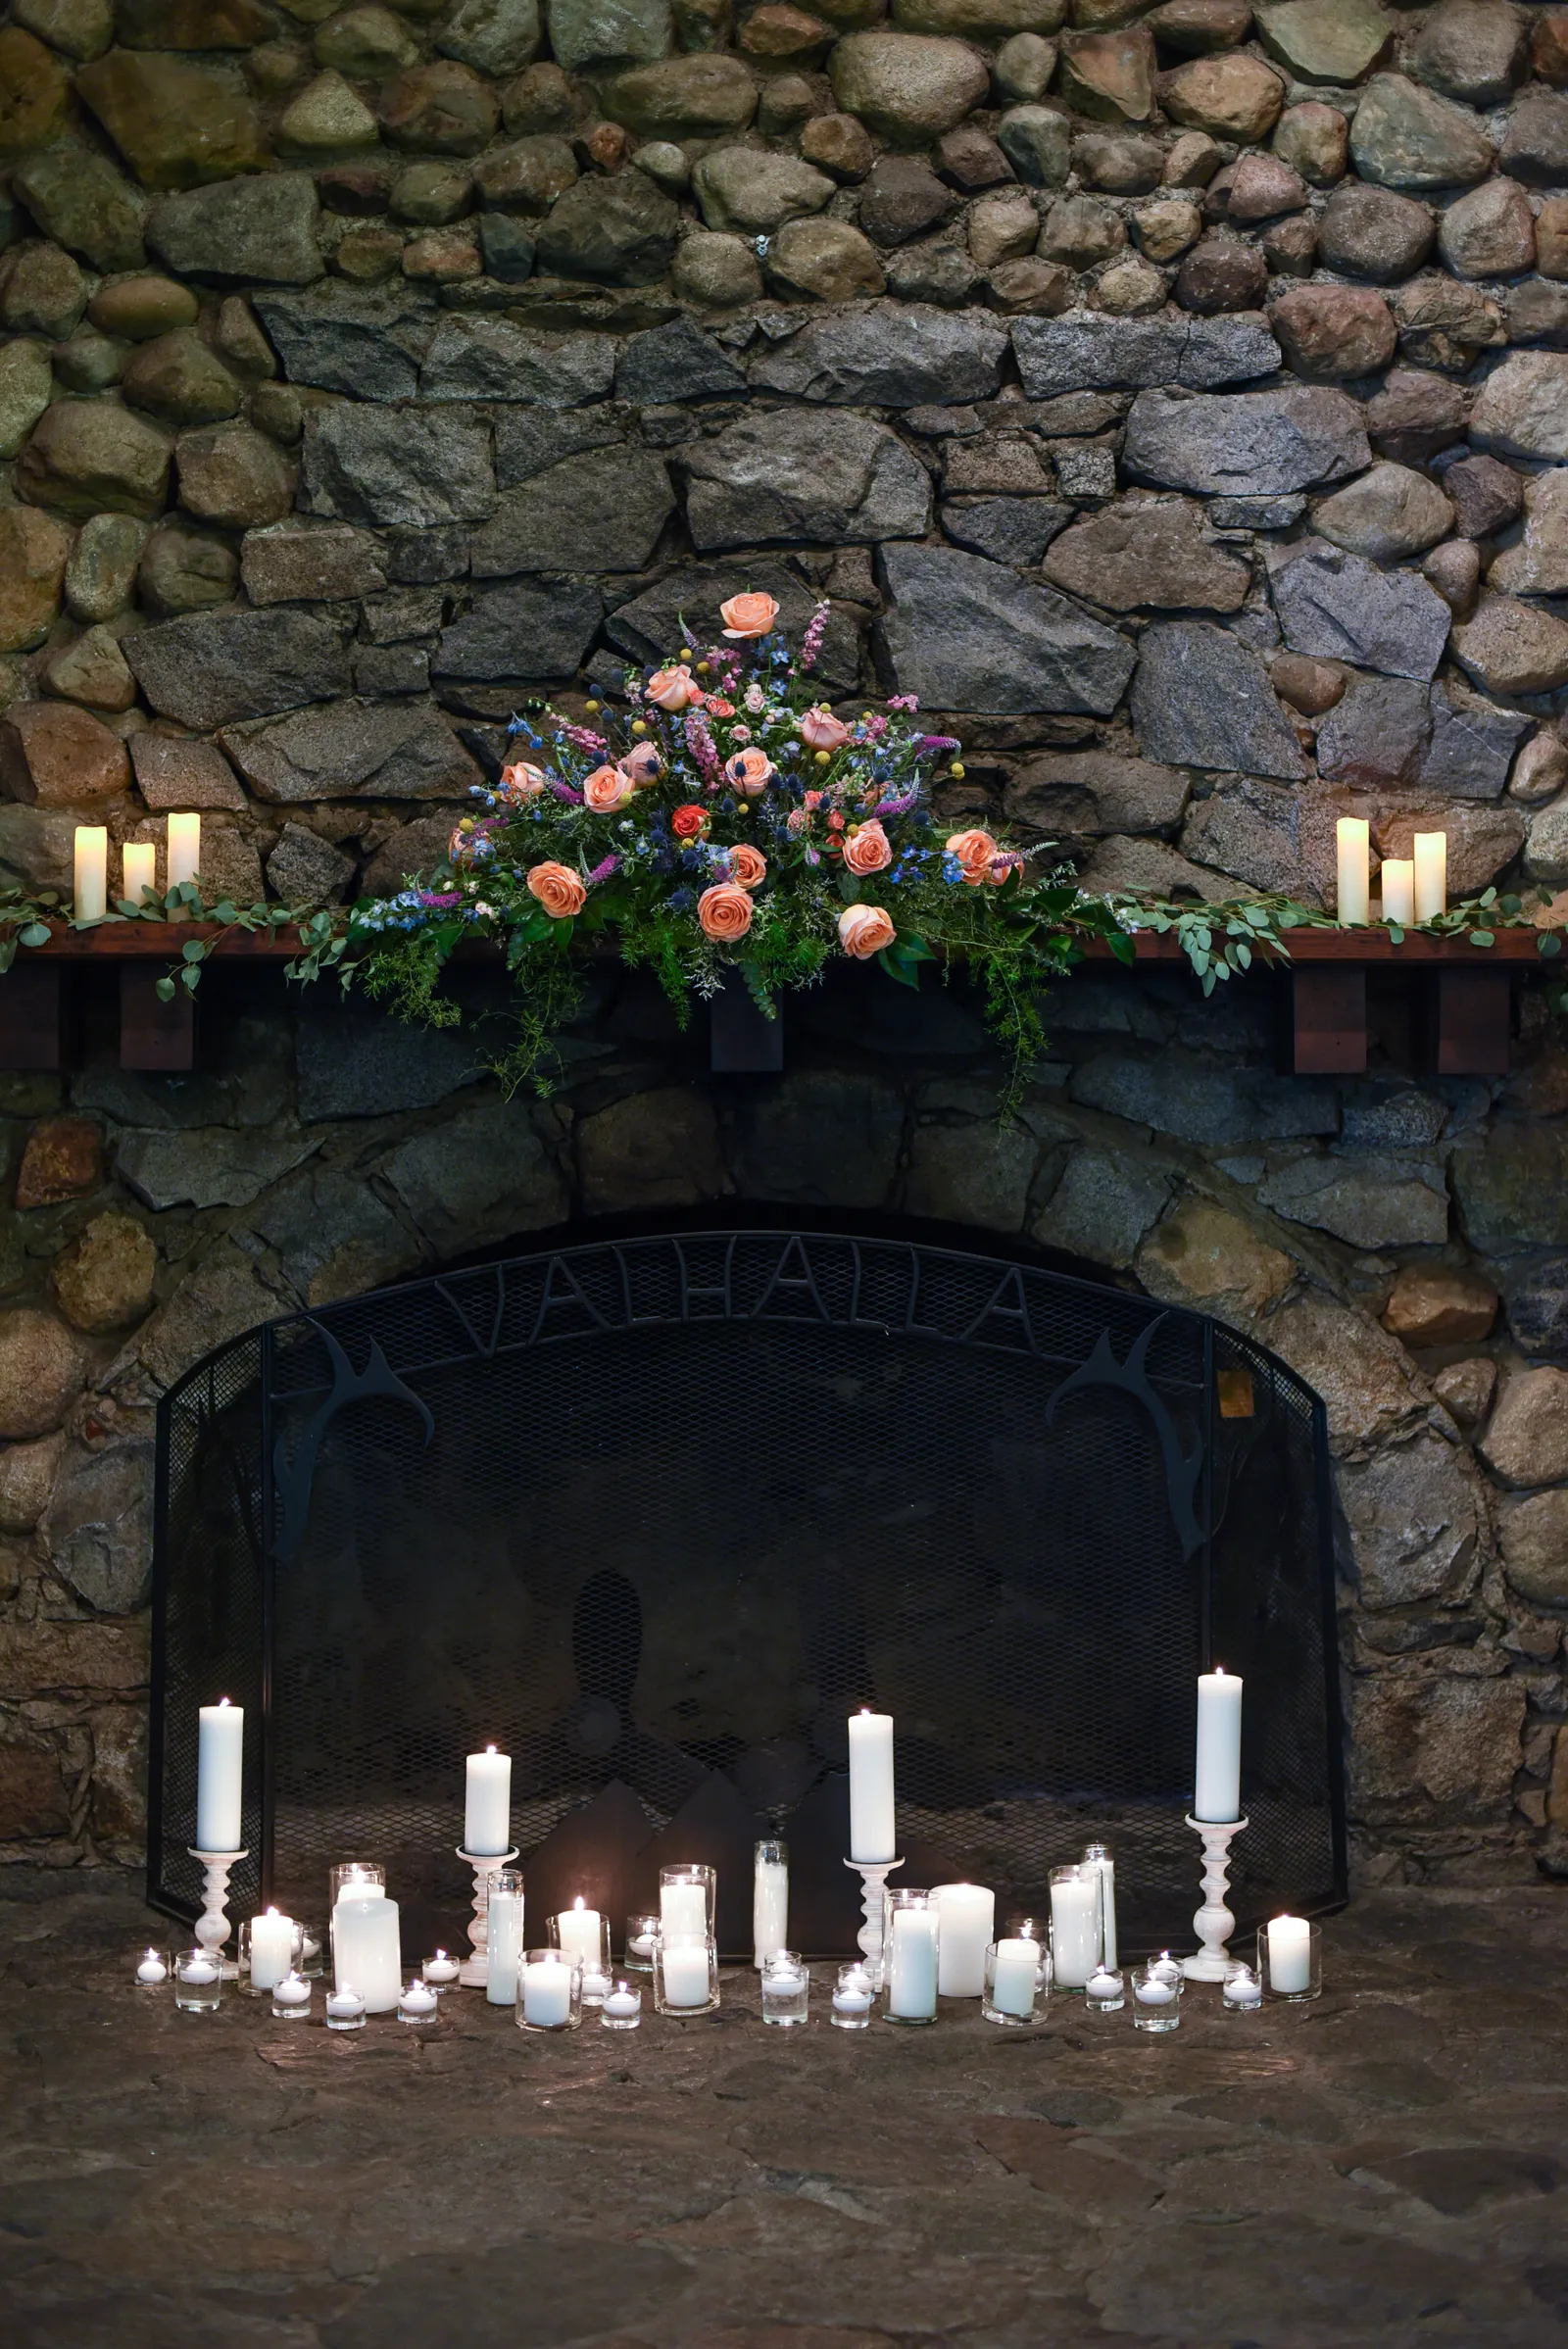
656	1511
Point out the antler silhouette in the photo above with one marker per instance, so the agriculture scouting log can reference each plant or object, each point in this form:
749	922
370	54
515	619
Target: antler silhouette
294	1477
1181	1469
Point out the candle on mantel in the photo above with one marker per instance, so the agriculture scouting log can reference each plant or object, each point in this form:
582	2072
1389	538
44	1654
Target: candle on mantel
1352	834
90	881
219	1755
1398	889
487	1809
138	861
1218	1787
1430	855
184	848
873	1826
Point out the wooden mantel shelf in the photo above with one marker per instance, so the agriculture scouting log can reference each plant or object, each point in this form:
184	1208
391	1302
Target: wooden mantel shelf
1468	1013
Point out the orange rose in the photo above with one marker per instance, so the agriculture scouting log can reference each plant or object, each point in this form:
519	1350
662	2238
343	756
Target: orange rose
864	930
520	781
748	771
606	790
868	849
558	890
820	730
747	615
725	911
747	865
674	689
974	852
689	822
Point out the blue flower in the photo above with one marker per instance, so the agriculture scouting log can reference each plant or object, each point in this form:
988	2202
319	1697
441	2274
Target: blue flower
681	901
952	869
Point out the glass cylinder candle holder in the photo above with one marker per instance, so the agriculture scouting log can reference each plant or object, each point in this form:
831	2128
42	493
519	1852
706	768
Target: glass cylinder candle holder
1014	1994
685	1974
1076	1947
642	1931
150	1967
354	1876
688	1898
1157	1999
1290	1958
291	1998
345	2009
419	2003
910	1927
1243	1993
786	1988
312	1961
853	1997
441	1972
1105	1993
583	1934
771	1898
502	1952
549	1990
271	1945
198	1982
1036	1928
623	2009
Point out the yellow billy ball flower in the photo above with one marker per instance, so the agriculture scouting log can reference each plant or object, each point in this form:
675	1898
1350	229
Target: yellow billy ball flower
686	652
591	708
955	770
465	824
705	668
822	758
639	726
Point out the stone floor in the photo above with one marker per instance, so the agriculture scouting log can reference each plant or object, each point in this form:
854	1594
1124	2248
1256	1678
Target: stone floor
1380	2168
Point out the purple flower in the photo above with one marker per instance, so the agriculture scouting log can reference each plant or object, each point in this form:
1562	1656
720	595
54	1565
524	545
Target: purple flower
812	643
700	742
563	791
583	738
603	870
928	743
439	901
898	807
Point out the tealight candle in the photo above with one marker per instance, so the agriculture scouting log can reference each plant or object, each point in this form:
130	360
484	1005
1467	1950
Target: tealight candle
200	1970
152	1969
1243	1987
852	2000
623	2009
1104	1990
291	1998
417	2003
184	848
1164	1967
440	1972
595	1986
345	2009
1154	1992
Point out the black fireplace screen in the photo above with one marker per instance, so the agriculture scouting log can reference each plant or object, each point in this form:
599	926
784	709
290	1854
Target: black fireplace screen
656	1515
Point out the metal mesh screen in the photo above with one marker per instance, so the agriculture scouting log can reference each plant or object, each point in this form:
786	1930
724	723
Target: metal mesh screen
656	1515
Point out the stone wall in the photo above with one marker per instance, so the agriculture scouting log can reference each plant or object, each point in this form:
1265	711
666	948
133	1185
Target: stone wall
1173	399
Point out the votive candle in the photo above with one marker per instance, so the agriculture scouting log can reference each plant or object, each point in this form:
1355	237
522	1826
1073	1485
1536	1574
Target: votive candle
1352	834
90	879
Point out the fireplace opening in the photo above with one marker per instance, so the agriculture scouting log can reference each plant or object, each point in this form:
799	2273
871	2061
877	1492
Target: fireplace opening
657	1509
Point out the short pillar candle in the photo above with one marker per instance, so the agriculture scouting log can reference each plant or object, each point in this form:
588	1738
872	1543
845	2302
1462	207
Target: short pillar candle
138	863
184	848
1430	855
1399	891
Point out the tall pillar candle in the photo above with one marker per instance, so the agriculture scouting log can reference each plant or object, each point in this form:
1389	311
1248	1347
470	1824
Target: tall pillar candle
966	1924
138	864
1429	852
770	1901
504	1943
368	1950
487	1808
873	1823
1353	835
1217	1780
91	876
220	1776
1074	1925
184	848
1399	891
912	1963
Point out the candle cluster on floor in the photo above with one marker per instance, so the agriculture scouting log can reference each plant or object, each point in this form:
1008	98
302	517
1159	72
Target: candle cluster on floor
918	1946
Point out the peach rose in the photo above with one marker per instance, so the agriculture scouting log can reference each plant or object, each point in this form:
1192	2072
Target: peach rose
747	865
748	771
745	616
558	890
673	689
820	730
864	930
606	790
643	764
460	848
725	911
869	850
520	781
974	852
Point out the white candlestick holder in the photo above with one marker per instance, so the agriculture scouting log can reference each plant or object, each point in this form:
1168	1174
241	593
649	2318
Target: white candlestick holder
1214	1923
873	1876
484	1866
212	1926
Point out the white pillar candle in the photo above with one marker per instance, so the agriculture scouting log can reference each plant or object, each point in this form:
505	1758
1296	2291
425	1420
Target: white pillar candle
966	1924
873	1827
912	1963
220	1760
770	1909
683	1911
487	1810
1104	1866
1398	889
366	1950
547	1992
1430	855
1074	1928
685	1970
1352	836
1290	1954
1015	1976
138	861
503	1948
579	1932
271	1949
184	848
1217	1784
91	883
